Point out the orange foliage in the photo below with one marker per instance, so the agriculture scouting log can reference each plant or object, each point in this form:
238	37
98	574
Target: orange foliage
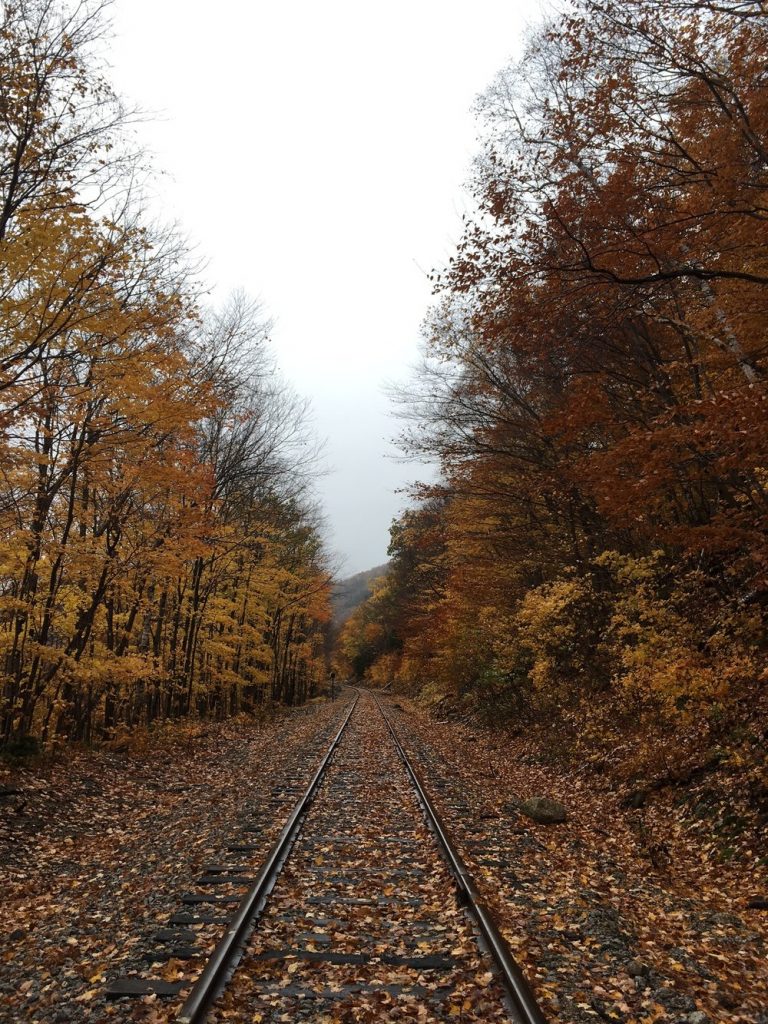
593	385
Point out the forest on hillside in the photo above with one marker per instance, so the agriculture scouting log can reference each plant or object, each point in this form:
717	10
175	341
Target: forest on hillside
593	388
348	593
543	797
160	548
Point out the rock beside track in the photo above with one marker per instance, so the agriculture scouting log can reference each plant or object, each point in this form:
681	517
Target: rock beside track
543	810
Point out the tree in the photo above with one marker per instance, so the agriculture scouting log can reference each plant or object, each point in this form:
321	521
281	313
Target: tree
593	387
154	470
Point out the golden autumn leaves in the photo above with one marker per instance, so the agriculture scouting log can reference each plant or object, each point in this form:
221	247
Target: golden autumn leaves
155	522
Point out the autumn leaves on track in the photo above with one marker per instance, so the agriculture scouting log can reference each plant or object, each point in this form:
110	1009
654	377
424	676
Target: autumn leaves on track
362	924
107	843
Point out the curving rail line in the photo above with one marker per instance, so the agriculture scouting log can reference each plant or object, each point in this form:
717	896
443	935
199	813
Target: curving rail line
228	952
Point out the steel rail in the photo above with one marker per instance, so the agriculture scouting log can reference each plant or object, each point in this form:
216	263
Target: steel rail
227	951
523	1001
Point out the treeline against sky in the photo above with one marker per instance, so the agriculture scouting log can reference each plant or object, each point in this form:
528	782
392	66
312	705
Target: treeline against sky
593	386
159	548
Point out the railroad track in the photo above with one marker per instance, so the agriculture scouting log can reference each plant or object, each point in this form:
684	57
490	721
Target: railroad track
365	909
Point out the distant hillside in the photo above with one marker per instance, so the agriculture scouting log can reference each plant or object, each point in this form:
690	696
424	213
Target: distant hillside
350	593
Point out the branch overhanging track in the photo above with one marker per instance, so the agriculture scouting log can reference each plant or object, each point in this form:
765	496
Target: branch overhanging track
520	1004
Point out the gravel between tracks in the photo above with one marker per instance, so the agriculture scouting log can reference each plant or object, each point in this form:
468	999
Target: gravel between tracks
95	861
364	882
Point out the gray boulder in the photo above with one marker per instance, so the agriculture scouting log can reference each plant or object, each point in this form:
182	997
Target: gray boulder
543	810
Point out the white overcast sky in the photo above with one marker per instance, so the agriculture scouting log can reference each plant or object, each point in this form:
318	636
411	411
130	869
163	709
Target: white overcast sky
314	153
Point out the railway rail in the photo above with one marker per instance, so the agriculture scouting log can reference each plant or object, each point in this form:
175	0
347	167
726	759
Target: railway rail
362	899
523	1002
